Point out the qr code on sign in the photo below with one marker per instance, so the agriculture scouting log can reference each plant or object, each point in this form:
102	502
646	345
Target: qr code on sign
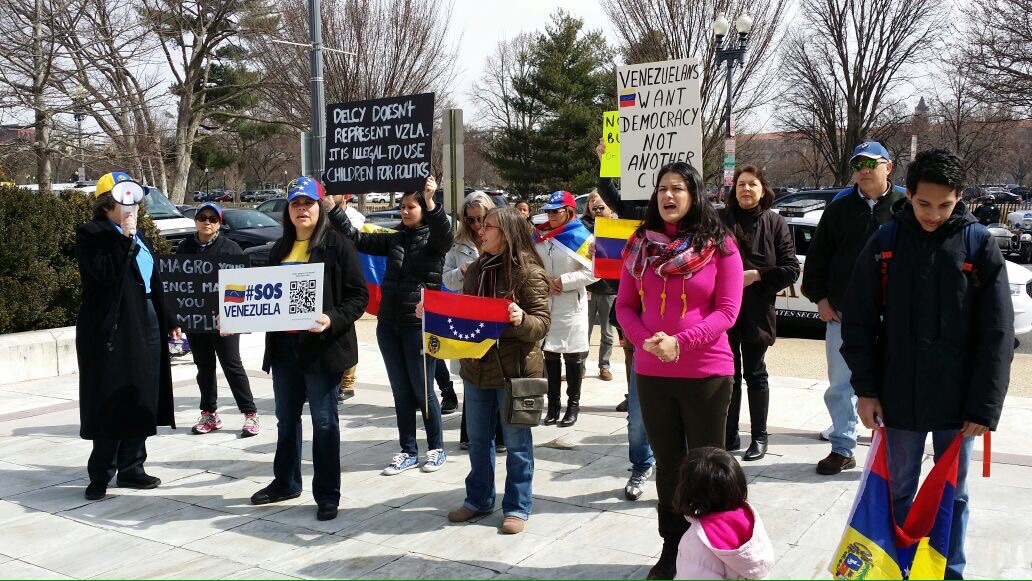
302	297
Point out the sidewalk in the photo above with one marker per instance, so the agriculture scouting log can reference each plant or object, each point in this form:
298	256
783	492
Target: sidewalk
199	523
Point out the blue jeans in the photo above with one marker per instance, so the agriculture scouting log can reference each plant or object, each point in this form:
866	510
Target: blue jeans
482	407
638	450
411	378
905	451
839	397
291	387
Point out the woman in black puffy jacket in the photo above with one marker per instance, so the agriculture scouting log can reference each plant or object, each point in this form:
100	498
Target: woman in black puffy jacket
415	260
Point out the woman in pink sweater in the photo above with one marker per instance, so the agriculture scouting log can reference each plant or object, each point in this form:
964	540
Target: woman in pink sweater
680	290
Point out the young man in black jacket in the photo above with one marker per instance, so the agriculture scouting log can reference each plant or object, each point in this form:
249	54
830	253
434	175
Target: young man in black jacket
846	225
929	340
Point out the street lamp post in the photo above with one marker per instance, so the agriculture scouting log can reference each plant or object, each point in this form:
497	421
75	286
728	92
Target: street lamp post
732	52
79	110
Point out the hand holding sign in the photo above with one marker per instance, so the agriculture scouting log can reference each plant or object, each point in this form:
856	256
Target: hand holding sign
321	324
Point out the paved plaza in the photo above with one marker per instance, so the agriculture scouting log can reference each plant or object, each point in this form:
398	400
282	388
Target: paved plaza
199	524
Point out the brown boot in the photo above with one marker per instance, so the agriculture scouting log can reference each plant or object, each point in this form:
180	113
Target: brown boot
835	463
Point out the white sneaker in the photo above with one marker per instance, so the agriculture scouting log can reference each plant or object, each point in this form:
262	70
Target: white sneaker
434	460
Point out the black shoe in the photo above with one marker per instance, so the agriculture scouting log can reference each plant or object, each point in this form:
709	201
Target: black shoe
96	491
552	416
464	445
345	394
622	406
326	512
449	404
666	567
142	482
733	443
269	495
570	417
757	449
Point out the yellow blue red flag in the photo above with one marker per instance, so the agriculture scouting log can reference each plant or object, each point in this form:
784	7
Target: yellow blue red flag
873	546
573	238
611	236
457	326
373	269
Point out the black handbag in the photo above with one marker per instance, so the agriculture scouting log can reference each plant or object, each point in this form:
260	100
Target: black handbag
524	401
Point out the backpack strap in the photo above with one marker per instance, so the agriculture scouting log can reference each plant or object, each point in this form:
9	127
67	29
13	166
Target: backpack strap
975	237
886	236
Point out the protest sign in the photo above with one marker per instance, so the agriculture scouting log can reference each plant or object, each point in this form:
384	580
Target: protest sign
380	145
273	298
610	167
660	121
191	286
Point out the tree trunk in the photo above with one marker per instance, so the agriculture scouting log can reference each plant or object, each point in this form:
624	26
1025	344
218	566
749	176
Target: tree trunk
186	130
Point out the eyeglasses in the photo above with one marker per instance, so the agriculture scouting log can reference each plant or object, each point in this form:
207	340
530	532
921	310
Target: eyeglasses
598	209
556	211
473	220
489	226
209	218
866	163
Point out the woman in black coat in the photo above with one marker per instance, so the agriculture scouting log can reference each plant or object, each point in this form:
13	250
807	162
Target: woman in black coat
770	262
307	365
125	378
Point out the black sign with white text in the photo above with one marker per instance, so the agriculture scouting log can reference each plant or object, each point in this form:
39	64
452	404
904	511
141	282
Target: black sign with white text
191	285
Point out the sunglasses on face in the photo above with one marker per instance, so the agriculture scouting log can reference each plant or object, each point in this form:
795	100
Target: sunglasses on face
555	211
598	209
207	218
866	163
473	220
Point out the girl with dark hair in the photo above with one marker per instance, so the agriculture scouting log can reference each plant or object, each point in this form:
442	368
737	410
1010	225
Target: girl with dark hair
680	290
770	263
507	268
307	365
415	259
727	539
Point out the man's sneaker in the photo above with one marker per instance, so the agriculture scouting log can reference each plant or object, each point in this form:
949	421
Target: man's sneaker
400	463
636	483
449	403
250	425
434	460
825	434
835	463
605	375
208	422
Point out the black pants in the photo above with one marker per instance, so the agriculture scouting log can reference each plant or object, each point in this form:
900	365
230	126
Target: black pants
124	457
204	347
574	372
681	414
442	375
750	366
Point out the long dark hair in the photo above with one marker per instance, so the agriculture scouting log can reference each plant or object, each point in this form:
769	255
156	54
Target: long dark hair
701	219
709	480
422	204
519	246
768	194
282	247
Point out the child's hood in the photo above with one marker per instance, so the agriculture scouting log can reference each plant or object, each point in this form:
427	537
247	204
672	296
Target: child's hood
738	539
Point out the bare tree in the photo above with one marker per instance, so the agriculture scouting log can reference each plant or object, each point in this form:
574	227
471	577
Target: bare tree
999	50
657	30
493	94
843	69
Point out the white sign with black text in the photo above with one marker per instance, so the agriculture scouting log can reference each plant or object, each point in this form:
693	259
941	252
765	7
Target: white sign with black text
273	298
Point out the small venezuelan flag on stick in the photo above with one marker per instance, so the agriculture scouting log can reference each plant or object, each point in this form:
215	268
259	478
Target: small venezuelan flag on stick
611	236
457	326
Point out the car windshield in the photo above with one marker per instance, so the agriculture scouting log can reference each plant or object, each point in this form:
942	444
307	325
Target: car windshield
239	219
158	206
826	195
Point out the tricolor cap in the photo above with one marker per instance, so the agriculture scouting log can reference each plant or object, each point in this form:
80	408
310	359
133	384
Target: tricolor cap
872	150
122	187
210	206
560	199
304	186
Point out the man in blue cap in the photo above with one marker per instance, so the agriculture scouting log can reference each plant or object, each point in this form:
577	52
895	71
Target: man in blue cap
846	225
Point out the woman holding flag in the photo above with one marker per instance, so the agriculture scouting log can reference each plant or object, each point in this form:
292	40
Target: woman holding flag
507	268
680	291
562	243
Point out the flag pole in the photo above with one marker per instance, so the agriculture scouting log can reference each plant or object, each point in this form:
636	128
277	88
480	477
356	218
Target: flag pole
422	351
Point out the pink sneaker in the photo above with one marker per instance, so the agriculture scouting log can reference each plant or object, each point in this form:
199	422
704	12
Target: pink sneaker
208	422
250	425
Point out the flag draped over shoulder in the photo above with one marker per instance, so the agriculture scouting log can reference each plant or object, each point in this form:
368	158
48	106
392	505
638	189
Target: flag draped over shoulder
873	546
611	236
573	238
373	269
457	326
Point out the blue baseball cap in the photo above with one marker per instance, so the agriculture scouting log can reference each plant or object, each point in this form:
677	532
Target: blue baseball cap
560	199
209	206
872	150
305	186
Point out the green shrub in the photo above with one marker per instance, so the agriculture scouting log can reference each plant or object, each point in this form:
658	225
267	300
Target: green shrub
39	276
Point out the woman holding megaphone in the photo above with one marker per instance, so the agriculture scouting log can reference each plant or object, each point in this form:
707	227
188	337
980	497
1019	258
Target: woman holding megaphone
125	378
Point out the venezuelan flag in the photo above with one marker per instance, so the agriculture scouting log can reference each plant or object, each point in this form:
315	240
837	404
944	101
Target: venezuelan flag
873	546
627	98
373	269
235	293
457	326
611	236
573	238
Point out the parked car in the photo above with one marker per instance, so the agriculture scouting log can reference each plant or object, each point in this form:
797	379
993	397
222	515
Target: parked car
247	196
379	198
259	254
791	305
273	208
190	213
825	195
263	195
249	227
183	208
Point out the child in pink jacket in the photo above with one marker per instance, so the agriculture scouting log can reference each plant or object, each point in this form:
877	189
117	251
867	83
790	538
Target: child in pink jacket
726	538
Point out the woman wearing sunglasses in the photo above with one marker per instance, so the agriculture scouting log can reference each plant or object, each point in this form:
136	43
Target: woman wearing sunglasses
125	376
205	346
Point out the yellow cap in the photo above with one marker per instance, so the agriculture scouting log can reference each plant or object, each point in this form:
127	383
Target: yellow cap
107	182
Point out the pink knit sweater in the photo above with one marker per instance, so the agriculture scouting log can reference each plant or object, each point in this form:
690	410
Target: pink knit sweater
713	297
